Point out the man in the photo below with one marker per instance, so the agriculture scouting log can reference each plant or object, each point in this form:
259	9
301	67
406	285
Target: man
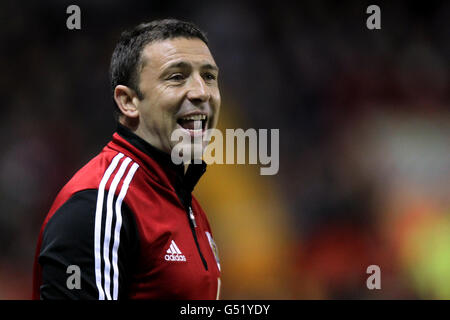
126	224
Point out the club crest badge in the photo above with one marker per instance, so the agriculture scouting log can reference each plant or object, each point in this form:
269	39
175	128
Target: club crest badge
213	248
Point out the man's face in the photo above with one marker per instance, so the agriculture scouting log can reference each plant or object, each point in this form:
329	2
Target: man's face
179	84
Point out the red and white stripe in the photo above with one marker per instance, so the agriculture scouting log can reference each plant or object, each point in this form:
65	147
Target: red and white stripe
103	279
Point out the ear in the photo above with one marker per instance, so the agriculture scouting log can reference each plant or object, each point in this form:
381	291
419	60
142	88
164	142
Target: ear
126	99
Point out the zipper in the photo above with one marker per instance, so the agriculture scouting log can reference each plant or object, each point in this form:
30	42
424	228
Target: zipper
191	215
185	197
193	225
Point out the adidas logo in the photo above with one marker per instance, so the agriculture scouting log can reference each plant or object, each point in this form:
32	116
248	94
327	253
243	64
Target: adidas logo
174	254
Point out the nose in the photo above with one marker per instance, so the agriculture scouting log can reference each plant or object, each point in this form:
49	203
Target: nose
198	91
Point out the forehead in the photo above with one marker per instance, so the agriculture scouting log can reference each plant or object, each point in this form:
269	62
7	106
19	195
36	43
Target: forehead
158	55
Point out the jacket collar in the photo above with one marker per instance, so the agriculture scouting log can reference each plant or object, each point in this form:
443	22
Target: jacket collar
159	163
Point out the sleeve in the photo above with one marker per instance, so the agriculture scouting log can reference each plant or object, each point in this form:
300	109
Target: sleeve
88	252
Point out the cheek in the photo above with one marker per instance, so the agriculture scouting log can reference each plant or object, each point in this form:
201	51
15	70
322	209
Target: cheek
170	98
216	100
163	106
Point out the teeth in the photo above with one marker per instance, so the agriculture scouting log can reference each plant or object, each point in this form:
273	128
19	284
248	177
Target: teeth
195	117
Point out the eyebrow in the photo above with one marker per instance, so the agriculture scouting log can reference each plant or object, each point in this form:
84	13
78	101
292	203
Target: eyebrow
184	64
211	67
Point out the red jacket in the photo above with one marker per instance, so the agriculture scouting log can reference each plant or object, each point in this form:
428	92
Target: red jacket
128	221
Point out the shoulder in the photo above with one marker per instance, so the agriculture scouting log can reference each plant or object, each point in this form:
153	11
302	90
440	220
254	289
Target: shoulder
83	216
106	171
108	174
99	169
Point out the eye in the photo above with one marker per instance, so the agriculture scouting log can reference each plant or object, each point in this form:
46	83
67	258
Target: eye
210	76
176	77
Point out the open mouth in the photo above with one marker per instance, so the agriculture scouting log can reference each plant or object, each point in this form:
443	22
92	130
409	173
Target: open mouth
193	122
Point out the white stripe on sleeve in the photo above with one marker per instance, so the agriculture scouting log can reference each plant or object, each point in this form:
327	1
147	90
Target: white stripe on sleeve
98	224
122	195
109	216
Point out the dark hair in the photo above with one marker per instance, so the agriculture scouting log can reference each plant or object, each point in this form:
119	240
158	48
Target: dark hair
126	59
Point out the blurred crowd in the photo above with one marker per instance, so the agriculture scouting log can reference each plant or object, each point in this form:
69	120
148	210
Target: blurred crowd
364	119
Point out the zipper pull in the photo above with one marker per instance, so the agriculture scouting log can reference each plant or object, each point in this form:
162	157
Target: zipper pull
191	215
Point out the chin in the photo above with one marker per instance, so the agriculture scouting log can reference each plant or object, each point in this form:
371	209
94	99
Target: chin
194	151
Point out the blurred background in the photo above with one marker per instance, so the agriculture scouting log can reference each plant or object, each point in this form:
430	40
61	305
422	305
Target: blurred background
364	120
